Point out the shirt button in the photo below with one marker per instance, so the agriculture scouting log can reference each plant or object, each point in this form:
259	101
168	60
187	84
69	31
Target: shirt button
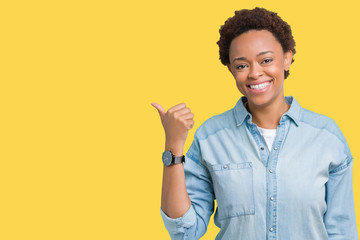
271	229
270	170
272	198
275	148
262	148
225	166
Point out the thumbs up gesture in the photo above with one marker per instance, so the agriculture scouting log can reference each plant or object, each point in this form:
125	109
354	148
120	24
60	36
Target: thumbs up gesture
177	121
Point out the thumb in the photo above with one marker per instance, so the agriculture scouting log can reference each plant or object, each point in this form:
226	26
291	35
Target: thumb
160	109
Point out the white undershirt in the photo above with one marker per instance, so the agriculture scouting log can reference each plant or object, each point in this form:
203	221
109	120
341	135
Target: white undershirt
269	136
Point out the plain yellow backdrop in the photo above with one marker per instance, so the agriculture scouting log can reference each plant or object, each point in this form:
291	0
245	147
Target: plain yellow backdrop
80	144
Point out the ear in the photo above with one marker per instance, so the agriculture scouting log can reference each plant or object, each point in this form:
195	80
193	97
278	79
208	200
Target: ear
287	60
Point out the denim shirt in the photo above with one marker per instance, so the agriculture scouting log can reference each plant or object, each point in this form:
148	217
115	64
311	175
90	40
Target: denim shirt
300	190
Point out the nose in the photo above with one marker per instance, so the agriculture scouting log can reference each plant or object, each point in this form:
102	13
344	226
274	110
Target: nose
255	71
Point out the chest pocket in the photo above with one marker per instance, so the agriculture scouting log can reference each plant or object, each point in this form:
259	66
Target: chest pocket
233	186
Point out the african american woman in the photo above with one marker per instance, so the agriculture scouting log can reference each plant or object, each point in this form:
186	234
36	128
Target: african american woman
276	170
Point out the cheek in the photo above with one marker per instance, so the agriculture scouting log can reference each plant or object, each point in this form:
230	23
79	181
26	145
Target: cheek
240	79
276	71
241	85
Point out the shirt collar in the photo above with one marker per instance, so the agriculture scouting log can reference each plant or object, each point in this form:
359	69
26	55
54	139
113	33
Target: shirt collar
241	113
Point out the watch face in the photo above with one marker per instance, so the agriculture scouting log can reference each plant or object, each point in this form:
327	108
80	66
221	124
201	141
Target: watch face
167	158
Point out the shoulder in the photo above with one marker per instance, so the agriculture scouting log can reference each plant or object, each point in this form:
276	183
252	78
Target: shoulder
215	124
331	136
210	133
322	123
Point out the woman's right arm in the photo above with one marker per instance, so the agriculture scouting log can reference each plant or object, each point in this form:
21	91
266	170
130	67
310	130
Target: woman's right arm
184	218
177	121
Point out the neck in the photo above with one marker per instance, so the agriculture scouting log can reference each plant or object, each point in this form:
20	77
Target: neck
268	116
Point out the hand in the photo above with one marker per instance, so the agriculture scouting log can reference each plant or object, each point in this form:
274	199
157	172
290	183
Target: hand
177	121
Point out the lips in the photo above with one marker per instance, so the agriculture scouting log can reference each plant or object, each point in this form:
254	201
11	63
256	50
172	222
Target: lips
259	87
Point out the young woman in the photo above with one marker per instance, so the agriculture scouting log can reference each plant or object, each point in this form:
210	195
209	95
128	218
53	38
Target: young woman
277	170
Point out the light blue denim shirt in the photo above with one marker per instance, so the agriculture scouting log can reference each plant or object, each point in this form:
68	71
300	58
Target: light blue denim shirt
300	190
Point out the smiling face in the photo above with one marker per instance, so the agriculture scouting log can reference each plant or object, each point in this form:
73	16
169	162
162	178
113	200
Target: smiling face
257	62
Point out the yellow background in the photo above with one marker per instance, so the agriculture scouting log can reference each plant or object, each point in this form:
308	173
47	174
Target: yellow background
81	146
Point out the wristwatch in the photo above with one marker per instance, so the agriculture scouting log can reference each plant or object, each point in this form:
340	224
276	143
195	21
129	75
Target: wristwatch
170	159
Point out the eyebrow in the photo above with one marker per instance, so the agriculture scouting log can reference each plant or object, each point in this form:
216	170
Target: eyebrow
259	54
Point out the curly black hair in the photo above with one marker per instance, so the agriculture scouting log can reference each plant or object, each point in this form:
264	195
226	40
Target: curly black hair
255	19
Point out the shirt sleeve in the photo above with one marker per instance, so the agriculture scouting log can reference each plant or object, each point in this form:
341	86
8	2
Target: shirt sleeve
339	219
193	224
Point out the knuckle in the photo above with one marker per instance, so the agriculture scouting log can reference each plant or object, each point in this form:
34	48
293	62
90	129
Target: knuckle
180	106
190	124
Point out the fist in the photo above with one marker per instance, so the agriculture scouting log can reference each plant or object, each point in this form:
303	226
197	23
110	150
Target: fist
177	121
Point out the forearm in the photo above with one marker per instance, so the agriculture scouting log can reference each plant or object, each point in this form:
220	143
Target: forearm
175	201
181	216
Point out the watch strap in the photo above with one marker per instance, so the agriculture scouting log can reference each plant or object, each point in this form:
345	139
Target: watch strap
177	160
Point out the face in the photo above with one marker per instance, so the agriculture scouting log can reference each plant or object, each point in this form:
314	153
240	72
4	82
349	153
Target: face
257	62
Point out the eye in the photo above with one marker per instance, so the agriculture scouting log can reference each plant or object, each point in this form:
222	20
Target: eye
240	67
268	60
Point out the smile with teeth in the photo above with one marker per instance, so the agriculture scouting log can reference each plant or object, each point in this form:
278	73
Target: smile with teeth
259	86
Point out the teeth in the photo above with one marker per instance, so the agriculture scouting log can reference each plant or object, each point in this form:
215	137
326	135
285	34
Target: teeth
259	86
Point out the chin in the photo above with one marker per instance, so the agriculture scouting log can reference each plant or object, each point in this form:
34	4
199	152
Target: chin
260	101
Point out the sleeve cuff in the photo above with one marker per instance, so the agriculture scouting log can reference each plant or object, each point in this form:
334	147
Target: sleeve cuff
179	224
347	162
